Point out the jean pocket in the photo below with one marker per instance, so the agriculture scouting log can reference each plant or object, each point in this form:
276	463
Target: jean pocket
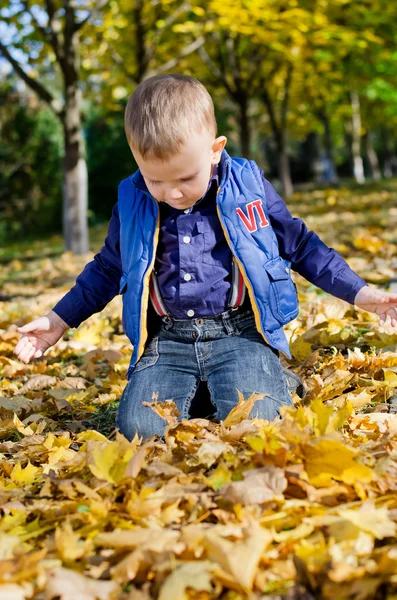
149	357
283	296
247	328
294	382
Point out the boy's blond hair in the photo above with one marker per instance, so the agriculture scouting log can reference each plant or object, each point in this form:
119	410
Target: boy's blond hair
163	110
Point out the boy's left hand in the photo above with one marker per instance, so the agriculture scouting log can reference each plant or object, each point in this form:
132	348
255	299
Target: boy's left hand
377	301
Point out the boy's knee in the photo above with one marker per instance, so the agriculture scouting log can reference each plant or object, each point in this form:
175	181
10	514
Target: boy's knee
143	430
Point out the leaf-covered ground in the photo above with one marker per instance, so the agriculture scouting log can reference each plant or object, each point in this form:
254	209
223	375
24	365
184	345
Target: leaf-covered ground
242	510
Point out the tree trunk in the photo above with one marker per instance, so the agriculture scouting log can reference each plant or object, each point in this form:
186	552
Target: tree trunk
75	179
358	167
329	150
372	157
284	170
280	138
390	158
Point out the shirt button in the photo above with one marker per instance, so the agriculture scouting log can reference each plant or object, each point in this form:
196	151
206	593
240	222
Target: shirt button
190	313
186	210
187	277
186	239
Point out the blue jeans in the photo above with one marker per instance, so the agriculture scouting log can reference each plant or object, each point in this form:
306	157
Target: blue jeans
226	351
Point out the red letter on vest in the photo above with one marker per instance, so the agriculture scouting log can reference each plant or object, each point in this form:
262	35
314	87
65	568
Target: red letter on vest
250	221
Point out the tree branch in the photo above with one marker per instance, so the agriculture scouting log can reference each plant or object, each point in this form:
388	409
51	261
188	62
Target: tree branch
55	38
171	19
37	87
272	115
142	52
122	64
214	69
99	5
284	106
167	23
170	64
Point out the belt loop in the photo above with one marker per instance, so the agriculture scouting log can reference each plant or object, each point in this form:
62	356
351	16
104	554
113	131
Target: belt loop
168	322
229	328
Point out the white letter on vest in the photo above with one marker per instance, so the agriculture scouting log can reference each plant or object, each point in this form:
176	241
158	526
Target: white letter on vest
250	221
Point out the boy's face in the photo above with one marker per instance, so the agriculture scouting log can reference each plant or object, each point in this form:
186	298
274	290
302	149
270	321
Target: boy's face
183	179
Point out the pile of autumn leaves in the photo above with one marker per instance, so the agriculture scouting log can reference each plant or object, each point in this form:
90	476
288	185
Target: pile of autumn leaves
246	509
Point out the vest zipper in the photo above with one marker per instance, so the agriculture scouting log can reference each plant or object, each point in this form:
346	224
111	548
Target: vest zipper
245	277
145	293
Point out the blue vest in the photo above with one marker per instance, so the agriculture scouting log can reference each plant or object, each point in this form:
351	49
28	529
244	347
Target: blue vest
242	211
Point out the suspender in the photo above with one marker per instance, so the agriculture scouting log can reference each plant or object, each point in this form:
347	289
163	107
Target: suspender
236	296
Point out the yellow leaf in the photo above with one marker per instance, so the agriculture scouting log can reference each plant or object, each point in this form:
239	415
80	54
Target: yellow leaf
109	459
341	415
92	334
241	411
300	349
105	458
25	430
220	477
328	459
68	543
322	413
26	475
91	434
370	519
390	378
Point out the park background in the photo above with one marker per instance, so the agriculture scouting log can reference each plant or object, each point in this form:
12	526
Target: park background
241	510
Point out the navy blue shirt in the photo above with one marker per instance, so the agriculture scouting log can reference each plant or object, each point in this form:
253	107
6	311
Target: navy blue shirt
193	260
194	263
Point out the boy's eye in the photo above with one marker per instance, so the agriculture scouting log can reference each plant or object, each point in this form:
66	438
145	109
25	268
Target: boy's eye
183	180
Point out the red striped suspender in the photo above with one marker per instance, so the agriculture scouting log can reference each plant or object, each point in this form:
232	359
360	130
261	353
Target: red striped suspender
155	296
237	292
236	298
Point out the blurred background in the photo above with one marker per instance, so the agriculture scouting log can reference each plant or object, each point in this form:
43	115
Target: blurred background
304	87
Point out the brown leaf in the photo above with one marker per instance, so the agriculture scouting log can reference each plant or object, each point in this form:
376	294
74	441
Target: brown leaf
38	382
66	584
259	486
167	410
239	558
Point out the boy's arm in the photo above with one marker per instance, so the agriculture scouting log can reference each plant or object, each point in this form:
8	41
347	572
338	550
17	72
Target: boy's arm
98	283
309	256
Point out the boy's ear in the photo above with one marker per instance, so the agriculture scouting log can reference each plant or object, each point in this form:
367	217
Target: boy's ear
217	147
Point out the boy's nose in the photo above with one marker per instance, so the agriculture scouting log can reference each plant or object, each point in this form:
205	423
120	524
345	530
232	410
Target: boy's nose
174	194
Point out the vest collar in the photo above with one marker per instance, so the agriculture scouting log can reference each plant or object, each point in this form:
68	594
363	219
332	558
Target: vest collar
138	181
225	168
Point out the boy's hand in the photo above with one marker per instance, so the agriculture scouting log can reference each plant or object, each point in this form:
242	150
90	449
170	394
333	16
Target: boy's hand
39	335
382	303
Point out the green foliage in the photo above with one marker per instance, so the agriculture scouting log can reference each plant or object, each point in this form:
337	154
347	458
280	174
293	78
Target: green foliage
30	166
109	159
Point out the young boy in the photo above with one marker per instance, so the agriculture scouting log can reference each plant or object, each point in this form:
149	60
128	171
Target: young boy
200	246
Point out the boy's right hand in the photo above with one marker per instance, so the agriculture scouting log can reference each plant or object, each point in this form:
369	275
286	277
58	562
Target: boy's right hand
39	335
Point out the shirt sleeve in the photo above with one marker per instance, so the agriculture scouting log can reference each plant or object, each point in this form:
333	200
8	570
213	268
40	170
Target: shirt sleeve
98	283
308	255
